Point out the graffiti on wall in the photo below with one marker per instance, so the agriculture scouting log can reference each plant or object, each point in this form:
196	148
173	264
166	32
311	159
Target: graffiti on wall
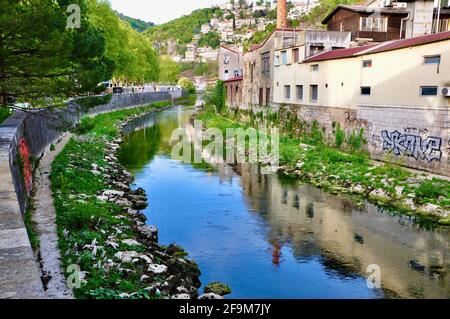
27	169
416	146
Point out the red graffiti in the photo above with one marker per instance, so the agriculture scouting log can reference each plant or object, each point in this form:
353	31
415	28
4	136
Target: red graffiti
27	170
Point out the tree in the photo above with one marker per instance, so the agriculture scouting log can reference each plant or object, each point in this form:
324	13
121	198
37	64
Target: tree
40	57
211	39
187	85
242	4
134	59
169	70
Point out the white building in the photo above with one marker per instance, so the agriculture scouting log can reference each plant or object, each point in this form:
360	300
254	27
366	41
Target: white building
206	28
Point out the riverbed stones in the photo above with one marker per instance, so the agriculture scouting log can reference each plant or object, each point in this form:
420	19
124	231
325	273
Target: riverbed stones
218	288
210	296
379	194
430	209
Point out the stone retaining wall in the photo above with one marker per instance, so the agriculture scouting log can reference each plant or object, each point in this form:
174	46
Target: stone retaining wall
25	137
414	137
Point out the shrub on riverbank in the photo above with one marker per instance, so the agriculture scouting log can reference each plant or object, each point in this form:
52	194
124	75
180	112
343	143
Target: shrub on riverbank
308	157
4	114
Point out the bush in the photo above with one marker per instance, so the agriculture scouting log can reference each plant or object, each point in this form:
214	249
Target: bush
187	85
216	97
339	135
356	140
4	113
86	125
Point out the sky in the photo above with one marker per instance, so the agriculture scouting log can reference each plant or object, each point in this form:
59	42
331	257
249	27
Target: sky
160	11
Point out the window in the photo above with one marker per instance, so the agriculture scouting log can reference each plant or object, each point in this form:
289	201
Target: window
314	49
428	90
283	57
295	55
365	90
314	93
373	24
444	25
287	92
226	60
367	64
265	59
299	92
314	67
432	59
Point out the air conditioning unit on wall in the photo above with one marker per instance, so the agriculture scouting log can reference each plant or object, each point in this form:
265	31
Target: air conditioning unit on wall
446	91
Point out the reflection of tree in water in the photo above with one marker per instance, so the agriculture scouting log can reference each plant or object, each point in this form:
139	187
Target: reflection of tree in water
140	147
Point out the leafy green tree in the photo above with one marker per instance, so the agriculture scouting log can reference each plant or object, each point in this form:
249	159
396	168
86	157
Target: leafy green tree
181	29
187	85
211	39
40	57
169	70
134	59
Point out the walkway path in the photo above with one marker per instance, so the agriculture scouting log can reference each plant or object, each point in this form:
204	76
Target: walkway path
19	275
45	218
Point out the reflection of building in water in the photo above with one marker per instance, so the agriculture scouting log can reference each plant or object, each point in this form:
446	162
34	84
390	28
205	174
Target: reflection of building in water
323	227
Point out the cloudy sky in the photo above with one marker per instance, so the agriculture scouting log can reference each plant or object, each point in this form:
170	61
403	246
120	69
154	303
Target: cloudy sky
159	11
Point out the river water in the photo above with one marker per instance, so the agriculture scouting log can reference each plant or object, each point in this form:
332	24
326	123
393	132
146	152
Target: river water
271	238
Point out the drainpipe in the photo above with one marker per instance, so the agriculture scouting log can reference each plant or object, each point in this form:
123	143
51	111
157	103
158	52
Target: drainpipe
401	25
438	16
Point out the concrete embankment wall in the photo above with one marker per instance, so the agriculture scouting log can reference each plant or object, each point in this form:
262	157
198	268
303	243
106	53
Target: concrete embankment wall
414	137
25	137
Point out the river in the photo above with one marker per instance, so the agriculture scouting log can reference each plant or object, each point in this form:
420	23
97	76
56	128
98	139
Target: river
271	238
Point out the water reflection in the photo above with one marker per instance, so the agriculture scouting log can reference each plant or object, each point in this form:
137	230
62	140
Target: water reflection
268	237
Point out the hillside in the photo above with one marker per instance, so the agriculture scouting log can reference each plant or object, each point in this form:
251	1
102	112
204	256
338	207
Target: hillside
317	14
136	24
182	29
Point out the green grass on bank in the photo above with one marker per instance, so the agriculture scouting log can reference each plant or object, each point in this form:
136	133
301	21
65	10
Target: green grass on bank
308	156
83	220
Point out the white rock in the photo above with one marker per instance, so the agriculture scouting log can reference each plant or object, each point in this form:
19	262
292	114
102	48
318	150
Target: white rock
146	258
410	203
102	198
113	193
131	242
144	277
399	190
381	193
181	296
357	189
157	269
126	256
430	209
124	295
112	244
210	296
